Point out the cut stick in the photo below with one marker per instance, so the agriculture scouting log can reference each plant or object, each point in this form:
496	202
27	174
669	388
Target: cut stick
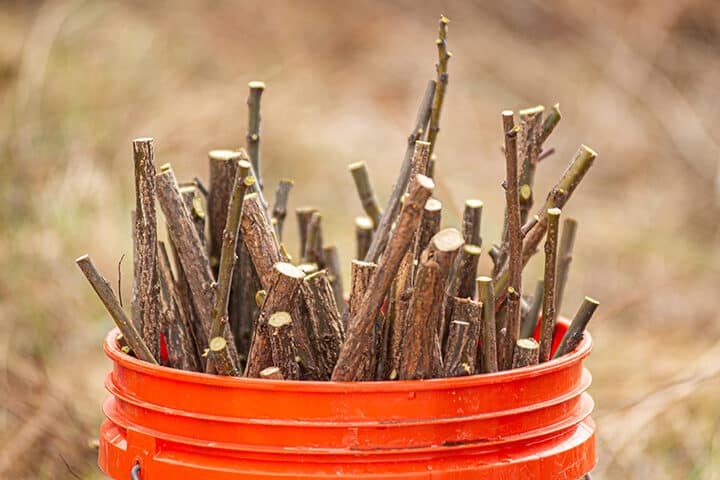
463	336
529	148
104	291
325	321
331	259
282	345
361	273
271	373
576	330
283	286
365	190
488	351
253	134
224	364
549	124
513	211
314	241
194	204
222	166
472	220
363	236
442	80
530	320
304	214
526	353
567	242
420	354
382	234
308	268
429	226
182	352
443	249
190	250
279	211
259	237
359	340
547	328
147	288
464	271
557	197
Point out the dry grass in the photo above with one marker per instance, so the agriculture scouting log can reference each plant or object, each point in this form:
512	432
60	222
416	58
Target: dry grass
637	81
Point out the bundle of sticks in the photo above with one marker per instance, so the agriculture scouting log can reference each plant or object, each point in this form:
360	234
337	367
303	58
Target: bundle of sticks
223	294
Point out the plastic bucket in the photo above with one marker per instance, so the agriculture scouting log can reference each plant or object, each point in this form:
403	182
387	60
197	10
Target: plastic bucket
530	423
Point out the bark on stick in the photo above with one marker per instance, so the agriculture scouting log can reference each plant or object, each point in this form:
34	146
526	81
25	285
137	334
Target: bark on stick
462	280
280	207
147	289
488	353
529	322
529	146
576	330
360	333
331	259
365	190
442	81
567	242
550	122
472	220
259	237
253	135
222	166
282	344
105	292
325	321
463	336
304	215
526	353
547	329
363	236
429	226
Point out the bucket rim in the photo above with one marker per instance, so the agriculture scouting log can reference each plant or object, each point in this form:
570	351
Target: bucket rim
113	351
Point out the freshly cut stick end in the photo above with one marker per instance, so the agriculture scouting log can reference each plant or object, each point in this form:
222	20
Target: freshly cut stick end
217	344
257	85
223	155
279	319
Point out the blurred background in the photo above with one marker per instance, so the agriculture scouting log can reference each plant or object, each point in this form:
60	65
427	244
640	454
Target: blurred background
636	80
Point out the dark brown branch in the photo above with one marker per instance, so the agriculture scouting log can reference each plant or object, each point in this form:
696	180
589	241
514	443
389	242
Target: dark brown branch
304	214
365	190
280	207
361	274
224	363
472	220
282	344
325	320
575	332
104	291
363	235
253	135
442	80
526	353
331	259
146	288
443	249
283	286
429	226
530	320
360	337
548	320
380	239
463	336
488	352
567	242
259	237
461	282
529	147
223	166
194	204
314	241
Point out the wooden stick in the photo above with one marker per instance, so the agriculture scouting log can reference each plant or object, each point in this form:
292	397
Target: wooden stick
366	192
526	353
253	135
363	235
442	80
304	214
472	220
463	271
224	363
429	226
360	339
567	242
421	356
382	233
325	320
331	259
105	292
443	249
314	241
361	274
462	342
146	289
549	124
488	352
283	286
557	197
194	204
222	166
280	207
575	332
529	146
548	321
282	345
530	320
271	373
258	235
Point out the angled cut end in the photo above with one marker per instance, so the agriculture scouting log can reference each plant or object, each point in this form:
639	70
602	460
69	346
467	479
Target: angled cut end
472	249
592	301
256	85
528	112
364	223
425	182
224	155
357	166
448	240
289	270
474	203
433	205
588	152
554	212
527	344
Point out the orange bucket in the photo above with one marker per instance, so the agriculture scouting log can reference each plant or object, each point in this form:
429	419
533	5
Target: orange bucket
531	423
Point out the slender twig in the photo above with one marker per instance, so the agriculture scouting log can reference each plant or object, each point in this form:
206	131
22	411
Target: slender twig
358	340
442	81
220	357
530	320
472	220
104	291
365	190
550	123
488	352
304	214
382	233
429	226
363	235
314	241
548	320
567	242
331	259
279	211
223	167
575	332
526	353
545	153
147	292
253	134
